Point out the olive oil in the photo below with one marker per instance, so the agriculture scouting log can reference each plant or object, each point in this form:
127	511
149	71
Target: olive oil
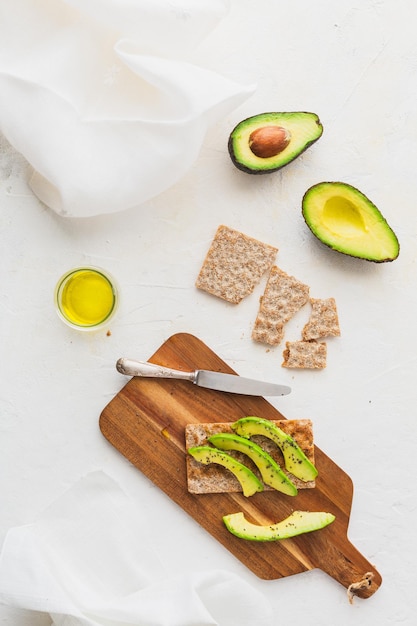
86	298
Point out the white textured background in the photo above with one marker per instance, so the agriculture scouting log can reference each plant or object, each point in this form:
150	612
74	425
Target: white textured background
355	65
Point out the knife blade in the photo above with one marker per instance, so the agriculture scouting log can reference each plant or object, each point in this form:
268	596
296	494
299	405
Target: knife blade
203	378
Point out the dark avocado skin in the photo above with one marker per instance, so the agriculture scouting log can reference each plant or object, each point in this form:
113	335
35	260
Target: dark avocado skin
334	247
248	170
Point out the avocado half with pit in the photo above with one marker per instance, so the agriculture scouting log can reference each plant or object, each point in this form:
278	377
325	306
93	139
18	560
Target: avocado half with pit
344	219
267	142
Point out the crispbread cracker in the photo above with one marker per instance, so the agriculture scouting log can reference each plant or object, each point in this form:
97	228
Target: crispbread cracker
323	322
234	264
214	478
284	295
305	355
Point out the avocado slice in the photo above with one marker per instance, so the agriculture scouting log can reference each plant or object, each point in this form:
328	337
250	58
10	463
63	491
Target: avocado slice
271	472
267	142
344	219
297	523
295	460
249	481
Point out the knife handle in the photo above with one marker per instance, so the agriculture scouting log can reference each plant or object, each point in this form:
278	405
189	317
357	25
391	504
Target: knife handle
129	367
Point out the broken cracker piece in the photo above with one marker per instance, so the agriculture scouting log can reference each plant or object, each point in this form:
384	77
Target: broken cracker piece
234	264
284	295
268	328
214	478
323	322
305	355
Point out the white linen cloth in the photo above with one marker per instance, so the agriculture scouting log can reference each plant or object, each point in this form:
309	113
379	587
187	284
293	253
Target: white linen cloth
87	561
102	98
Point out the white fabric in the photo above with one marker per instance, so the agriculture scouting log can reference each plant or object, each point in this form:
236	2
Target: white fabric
102	97
87	561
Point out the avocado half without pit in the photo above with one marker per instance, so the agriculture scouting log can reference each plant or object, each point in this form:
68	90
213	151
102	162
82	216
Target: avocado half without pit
267	142
344	219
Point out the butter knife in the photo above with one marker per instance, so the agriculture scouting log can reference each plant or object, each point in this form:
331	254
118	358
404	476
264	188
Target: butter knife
203	378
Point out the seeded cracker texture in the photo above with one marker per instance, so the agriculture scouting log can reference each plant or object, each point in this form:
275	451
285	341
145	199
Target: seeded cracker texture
284	295
323	322
214	478
305	355
234	264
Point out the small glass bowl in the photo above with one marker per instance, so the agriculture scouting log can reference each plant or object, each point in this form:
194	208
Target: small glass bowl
86	298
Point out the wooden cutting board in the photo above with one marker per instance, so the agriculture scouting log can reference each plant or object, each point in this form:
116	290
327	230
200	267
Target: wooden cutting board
145	422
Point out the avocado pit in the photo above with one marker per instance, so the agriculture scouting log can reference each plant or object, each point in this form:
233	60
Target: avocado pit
269	141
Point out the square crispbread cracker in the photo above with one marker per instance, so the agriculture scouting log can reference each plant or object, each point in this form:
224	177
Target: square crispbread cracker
214	478
305	355
234	264
324	320
284	295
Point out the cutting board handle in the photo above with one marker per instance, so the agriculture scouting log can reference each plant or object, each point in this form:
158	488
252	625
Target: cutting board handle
350	568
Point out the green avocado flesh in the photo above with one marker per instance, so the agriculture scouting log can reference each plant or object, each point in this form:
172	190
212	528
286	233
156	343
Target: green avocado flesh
249	481
270	471
297	523
295	460
303	128
344	219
